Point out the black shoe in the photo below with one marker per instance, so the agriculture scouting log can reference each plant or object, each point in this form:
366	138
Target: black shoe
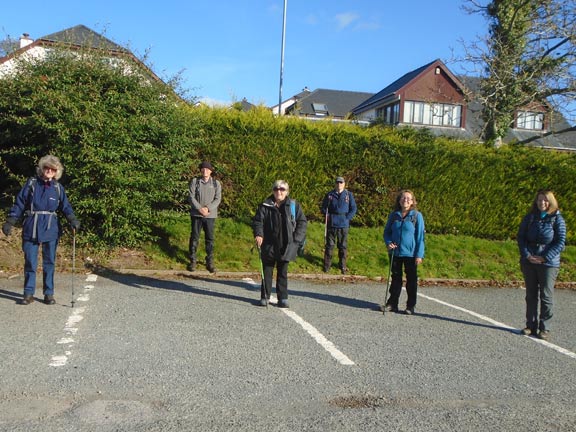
191	267
283	304
409	311
344	270
263	302
326	269
27	299
49	300
210	267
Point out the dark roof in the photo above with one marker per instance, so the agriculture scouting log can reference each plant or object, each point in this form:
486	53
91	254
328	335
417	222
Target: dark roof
83	36
338	103
392	88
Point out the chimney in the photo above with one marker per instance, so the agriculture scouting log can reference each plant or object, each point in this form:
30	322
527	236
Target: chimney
25	40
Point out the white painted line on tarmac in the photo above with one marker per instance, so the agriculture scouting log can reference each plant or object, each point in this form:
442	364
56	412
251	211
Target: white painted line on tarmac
310	329
70	326
502	325
320	338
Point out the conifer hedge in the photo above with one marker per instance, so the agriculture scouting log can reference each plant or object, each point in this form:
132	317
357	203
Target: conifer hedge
130	149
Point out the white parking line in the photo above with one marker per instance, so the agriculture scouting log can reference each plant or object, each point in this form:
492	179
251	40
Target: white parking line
70	328
311	330
502	325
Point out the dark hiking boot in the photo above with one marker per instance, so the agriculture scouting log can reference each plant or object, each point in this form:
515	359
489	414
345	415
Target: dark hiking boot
263	302
409	311
191	266
283	304
27	299
210	267
49	300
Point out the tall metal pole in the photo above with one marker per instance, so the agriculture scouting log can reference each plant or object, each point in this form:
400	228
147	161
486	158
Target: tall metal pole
282	58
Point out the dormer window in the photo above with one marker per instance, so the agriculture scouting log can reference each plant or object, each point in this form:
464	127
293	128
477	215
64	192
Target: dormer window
320	109
530	120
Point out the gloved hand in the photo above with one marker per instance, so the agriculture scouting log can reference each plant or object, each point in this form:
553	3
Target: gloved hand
7	227
74	223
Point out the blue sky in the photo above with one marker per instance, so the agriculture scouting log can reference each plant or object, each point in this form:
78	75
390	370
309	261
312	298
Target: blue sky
230	49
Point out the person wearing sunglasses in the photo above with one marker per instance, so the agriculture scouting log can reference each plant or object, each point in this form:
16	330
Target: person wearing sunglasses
37	206
338	208
278	235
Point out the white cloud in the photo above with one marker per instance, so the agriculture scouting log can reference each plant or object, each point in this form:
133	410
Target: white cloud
346	19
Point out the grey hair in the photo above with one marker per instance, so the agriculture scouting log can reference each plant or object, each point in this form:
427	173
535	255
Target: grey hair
52	162
281	183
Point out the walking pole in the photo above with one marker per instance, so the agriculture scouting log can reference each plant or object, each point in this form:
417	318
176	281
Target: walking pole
388	282
73	262
326	227
262	288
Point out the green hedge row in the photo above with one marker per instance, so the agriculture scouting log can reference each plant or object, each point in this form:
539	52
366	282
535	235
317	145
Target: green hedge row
130	150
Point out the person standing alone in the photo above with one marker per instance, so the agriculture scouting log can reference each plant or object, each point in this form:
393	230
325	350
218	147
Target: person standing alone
205	194
38	205
338	207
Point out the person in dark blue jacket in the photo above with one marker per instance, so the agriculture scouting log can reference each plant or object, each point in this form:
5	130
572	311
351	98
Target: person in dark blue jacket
338	208
541	238
404	238
278	234
37	205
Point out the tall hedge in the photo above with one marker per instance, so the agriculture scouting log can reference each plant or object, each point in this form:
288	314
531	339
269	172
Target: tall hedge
130	147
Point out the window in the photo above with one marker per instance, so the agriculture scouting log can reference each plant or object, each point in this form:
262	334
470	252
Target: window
530	120
320	109
432	114
389	113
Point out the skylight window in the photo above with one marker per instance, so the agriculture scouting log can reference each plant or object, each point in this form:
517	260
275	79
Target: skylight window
320	109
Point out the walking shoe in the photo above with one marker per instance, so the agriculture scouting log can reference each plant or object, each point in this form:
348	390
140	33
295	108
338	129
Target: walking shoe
528	332
211	268
263	302
409	311
326	269
344	270
49	300
283	304
544	335
388	308
27	299
191	267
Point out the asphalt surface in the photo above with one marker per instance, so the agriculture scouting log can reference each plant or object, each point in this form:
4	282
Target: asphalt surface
140	353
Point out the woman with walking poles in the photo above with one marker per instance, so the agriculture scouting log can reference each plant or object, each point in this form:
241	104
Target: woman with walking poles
541	239
37	204
279	227
404	238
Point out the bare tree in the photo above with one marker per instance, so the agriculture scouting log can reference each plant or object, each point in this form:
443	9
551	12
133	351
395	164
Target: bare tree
528	58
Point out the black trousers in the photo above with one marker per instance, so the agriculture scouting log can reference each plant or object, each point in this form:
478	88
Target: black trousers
200	224
411	270
281	279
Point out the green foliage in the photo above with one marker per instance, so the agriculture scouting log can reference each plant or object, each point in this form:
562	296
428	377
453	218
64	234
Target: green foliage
130	147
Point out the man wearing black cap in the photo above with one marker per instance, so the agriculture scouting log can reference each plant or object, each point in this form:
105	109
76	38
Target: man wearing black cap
338	208
205	194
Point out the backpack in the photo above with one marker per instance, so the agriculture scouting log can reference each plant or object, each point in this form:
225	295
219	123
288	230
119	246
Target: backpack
32	185
293	219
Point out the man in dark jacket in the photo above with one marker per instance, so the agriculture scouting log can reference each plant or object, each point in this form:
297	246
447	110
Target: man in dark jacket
338	208
278	232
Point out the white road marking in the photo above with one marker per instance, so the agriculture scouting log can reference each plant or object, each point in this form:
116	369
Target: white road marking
311	330
502	325
70	326
319	337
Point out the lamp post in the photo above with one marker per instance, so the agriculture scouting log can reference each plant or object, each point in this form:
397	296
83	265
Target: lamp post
282	58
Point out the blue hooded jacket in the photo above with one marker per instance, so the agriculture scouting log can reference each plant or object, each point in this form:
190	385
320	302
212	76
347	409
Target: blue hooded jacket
542	236
341	208
39	210
407	233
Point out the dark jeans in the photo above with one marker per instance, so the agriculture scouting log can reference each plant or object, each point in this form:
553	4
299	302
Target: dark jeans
30	250
281	279
411	270
539	280
199	224
337	236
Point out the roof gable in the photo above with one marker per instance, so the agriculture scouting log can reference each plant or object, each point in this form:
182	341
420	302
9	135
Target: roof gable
391	91
81	35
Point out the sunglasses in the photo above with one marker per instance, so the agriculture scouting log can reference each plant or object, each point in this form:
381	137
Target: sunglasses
46	168
276	189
